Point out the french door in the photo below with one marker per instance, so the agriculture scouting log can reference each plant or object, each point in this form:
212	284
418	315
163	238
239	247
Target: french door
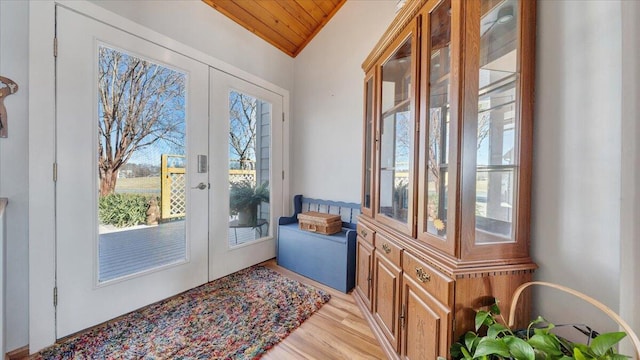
132	180
246	152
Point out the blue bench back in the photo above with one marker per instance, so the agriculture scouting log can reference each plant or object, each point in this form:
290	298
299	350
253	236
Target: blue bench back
348	211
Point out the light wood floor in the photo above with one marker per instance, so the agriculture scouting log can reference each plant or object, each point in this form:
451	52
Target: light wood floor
336	331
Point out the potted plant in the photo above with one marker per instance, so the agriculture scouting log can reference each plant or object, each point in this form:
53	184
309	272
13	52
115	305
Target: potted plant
245	198
400	194
492	340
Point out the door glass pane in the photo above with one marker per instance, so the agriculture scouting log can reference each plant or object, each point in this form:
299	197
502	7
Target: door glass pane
249	168
367	143
438	121
141	164
396	134
497	122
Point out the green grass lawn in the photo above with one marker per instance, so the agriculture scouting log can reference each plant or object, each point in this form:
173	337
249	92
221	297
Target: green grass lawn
140	183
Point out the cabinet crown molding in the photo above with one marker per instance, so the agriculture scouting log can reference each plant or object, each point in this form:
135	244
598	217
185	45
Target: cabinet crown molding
405	15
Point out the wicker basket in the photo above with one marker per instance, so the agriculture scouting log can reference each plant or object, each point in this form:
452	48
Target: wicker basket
321	223
632	336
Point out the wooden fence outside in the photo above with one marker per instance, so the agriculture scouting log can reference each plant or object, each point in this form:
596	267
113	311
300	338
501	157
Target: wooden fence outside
173	193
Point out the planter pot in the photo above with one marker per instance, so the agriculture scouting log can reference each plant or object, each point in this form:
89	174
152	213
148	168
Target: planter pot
248	216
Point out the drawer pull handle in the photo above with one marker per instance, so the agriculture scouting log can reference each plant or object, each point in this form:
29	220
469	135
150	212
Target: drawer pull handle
364	233
422	275
386	248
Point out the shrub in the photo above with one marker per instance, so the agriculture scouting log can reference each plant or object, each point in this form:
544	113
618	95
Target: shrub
122	210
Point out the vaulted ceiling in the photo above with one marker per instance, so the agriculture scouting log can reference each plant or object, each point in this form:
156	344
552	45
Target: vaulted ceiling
288	25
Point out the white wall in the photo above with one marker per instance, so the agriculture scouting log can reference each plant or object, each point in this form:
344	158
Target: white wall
196	24
327	102
14	170
630	212
578	184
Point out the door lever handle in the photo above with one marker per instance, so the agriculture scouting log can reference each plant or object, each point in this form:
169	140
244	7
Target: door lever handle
200	186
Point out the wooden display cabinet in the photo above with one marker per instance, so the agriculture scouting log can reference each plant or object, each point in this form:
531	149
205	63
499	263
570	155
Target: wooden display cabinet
446	170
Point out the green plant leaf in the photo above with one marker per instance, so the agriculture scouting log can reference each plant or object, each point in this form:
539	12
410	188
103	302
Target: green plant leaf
496	329
538	320
546	343
584	349
455	350
470	340
565	344
483	318
578	355
495	309
604	342
519	348
488	346
466	353
543	330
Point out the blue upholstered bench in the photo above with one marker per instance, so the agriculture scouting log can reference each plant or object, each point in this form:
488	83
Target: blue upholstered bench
328	259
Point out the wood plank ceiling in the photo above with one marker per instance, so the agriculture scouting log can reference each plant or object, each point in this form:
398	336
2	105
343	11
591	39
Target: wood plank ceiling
288	25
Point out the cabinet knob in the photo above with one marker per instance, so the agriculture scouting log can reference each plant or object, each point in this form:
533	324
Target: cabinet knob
364	233
386	248
422	275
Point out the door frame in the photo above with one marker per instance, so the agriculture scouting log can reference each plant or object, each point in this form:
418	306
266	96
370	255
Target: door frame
42	104
223	258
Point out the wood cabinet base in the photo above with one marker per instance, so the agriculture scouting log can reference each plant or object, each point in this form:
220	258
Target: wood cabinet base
388	349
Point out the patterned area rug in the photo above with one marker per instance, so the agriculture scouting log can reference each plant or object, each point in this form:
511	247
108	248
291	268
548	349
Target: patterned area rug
237	317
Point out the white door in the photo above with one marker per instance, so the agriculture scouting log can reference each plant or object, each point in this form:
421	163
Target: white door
131	122
246	173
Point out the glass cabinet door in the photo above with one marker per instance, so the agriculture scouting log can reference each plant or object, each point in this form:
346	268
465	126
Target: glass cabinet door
436	125
368	143
496	163
396	136
497	127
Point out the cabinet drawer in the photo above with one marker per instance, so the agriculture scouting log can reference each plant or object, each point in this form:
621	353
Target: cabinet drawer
431	280
388	249
366	234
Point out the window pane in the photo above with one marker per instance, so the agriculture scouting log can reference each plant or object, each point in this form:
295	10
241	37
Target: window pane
141	165
496	126
249	168
396	134
494	205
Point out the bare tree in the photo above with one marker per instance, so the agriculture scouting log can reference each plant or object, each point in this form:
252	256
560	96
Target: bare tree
139	104
242	132
436	119
404	139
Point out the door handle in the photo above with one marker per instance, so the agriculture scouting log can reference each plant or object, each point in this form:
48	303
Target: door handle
200	186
